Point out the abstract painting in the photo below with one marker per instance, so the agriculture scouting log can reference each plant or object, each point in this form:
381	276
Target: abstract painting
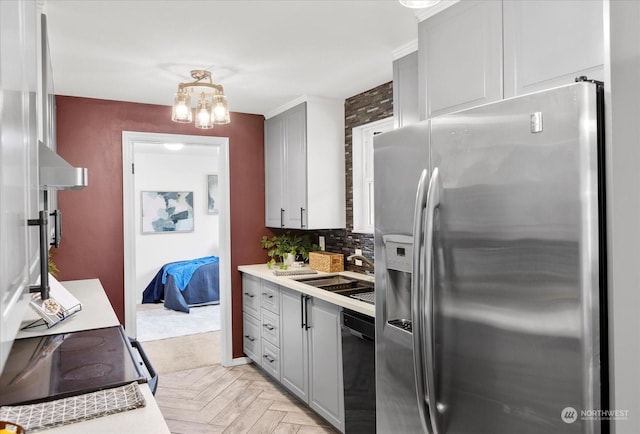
167	211
212	194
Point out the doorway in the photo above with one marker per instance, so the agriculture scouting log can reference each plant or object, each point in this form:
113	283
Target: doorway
185	164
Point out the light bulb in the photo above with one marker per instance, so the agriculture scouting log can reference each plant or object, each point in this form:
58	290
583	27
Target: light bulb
203	112
182	111
181	108
220	111
203	116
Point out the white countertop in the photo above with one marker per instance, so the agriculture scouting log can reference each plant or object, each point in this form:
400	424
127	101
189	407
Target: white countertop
263	272
97	313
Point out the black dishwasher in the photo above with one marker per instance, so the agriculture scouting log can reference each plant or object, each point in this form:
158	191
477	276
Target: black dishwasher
359	373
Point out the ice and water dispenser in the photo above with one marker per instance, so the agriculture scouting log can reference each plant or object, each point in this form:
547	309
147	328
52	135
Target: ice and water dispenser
399	261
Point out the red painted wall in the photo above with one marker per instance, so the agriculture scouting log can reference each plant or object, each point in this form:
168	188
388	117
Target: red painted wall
90	135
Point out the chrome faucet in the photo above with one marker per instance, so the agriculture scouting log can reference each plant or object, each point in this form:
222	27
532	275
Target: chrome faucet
363	259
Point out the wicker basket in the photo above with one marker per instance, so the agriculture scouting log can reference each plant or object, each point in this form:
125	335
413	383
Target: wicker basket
325	261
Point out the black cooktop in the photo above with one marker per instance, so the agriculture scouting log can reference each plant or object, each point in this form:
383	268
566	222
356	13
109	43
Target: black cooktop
51	367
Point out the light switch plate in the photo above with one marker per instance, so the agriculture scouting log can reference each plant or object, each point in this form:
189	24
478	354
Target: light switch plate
358	262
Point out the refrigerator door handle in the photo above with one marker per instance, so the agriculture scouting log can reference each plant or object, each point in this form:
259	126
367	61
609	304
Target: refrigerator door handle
433	201
417	282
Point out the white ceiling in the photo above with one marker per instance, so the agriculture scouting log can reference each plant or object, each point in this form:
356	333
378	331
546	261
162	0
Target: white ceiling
265	53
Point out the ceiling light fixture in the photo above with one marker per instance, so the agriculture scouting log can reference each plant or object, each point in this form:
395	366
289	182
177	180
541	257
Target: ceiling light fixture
211	106
419	4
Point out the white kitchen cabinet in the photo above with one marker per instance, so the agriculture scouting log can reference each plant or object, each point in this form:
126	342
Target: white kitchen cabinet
311	354
325	361
460	57
475	52
251	339
549	43
251	313
304	166
18	165
405	90
261	323
251	295
294	344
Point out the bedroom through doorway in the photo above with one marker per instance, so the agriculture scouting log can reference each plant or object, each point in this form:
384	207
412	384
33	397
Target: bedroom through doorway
177	253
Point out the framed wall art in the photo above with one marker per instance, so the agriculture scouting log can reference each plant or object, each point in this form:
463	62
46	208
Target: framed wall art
167	211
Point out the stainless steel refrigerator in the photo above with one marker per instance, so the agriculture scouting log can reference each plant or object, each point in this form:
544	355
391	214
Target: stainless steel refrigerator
490	269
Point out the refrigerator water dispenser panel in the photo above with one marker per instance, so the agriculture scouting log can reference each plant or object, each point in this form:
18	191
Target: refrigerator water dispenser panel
399	252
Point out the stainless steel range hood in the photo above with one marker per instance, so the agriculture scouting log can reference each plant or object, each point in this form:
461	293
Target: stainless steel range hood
55	172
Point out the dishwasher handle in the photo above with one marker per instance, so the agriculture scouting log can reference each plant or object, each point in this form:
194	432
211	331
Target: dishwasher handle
359	324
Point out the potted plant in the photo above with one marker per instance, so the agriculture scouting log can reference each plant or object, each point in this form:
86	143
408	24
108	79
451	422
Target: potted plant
287	248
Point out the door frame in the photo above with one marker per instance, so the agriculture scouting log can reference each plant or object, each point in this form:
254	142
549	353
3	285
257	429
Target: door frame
129	138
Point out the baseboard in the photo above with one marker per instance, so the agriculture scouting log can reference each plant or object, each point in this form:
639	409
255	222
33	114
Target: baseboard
238	361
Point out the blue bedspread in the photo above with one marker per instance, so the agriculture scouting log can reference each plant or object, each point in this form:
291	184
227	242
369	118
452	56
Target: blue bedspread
185	283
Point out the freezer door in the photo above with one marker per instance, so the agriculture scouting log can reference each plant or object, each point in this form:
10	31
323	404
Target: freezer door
400	156
516	265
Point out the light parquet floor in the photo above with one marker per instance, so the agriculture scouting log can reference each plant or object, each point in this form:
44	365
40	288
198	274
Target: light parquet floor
241	399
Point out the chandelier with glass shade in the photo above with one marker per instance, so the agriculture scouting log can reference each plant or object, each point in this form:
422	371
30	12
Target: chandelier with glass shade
211	103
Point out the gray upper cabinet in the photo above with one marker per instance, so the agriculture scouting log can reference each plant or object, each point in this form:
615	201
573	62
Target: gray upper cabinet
274	167
304	166
18	165
295	161
285	147
405	90
547	45
460	57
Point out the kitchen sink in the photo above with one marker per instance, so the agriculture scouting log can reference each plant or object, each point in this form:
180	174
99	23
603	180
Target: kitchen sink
339	284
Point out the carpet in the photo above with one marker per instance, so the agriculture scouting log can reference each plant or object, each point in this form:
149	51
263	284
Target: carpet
184	352
154	322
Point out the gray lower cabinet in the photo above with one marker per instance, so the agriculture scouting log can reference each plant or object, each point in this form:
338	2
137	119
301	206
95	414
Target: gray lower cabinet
311	354
251	337
297	340
251	316
261	323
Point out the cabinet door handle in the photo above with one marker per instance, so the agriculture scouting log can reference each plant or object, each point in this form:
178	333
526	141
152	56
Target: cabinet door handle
302	225
306	312
250	338
269	358
57	222
281	217
302	310
264	294
248	294
42	222
268	326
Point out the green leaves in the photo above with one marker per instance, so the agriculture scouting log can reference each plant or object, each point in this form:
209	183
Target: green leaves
280	245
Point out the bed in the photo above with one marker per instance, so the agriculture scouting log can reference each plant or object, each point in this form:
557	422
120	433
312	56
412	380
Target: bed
184	284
